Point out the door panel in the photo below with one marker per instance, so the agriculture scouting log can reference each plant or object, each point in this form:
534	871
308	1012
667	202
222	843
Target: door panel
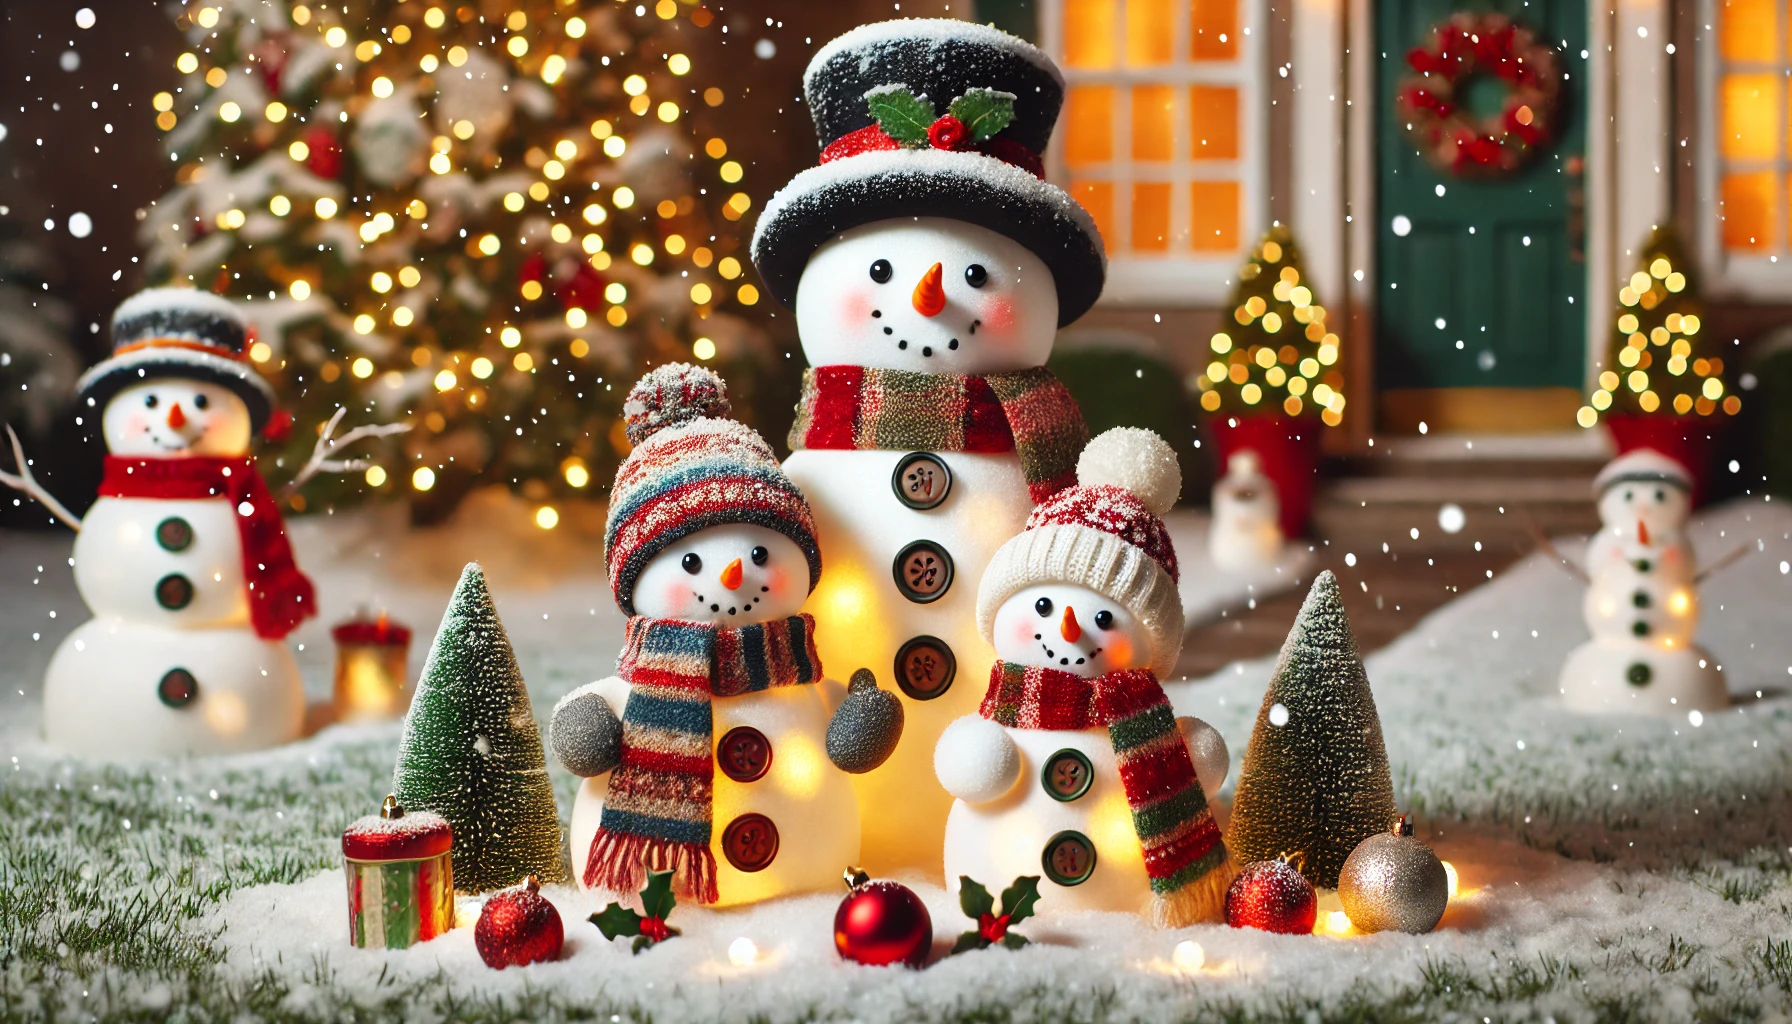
1492	260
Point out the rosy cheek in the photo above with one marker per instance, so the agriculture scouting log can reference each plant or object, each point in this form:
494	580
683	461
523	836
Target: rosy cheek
998	314
676	594
1022	631
856	306
136	423
1119	652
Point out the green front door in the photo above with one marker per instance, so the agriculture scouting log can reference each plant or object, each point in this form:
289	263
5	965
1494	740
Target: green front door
1481	282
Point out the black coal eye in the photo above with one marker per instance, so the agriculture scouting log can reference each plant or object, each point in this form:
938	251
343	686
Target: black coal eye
760	555
1661	495
200	401
1629	495
881	271
1043	606
692	564
1104	619
976	276
150	401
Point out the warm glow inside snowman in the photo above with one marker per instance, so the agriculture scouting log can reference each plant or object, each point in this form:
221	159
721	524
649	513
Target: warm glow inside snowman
1642	601
718	749
929	265
1247	531
183	559
1075	768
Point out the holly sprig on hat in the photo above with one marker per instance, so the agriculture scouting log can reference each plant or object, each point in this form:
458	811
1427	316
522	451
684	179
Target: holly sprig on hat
974	117
1018	901
648	926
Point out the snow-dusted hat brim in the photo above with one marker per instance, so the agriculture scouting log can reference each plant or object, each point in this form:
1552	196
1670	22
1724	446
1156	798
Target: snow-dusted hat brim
823	201
110	376
1102	562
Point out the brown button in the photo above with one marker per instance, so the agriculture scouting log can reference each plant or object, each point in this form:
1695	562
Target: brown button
174	534
178	688
750	842
1067	775
923	571
925	667
1069	858
921	481
174	591
744	754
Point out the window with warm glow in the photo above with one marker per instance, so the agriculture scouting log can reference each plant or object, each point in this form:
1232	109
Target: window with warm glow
1752	159
1161	136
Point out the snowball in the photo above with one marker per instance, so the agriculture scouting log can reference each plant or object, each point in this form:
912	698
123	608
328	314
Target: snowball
975	760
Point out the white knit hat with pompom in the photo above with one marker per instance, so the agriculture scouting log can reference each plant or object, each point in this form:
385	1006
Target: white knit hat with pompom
1107	534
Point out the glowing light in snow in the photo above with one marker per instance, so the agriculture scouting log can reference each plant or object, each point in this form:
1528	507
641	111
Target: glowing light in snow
1450	877
1189	956
742	952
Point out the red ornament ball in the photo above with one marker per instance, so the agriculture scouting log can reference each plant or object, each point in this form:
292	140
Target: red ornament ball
325	156
882	923
518	927
1271	895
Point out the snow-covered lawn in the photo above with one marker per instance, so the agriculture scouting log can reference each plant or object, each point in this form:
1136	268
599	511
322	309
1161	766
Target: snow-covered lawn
1612	869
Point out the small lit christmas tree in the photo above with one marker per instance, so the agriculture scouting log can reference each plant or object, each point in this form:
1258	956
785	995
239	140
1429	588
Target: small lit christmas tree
1660	360
1315	781
471	751
1278	354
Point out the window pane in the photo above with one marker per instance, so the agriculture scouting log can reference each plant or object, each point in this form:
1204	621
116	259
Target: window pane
1153	122
1089	33
1748	201
1750	117
1745	29
1213	29
1150	32
1151	217
1089	125
1214	218
1098	198
1213	122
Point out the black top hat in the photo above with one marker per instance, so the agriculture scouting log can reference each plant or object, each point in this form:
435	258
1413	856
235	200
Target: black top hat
867	174
179	332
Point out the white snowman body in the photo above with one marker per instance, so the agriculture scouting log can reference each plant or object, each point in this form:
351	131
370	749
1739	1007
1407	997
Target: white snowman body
170	663
1247	534
770	747
860	302
1642	609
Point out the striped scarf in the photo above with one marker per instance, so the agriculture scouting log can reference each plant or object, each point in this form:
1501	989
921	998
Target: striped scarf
657	813
1028	412
1184	857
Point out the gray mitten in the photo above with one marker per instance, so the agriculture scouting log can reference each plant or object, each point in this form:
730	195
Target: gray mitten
865	729
585	733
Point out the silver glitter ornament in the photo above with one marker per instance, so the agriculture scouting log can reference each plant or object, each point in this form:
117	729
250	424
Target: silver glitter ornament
1393	882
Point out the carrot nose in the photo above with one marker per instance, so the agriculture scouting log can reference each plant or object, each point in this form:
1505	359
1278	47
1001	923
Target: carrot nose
1067	627
930	295
176	418
1642	529
731	575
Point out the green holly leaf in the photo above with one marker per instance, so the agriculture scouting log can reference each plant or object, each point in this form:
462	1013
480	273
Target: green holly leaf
1019	899
984	112
1013	941
657	899
901	114
967	942
974	898
642	942
617	919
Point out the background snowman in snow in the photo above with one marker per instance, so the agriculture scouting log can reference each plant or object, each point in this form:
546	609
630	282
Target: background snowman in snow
183	559
1247	527
930	266
1642	601
718	766
1075	767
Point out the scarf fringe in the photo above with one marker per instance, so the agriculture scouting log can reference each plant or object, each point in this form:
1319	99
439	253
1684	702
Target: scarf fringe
1203	899
619	863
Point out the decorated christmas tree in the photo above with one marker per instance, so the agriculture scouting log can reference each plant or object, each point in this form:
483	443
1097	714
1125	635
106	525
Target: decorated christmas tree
472	754
477	217
1277	355
1315	781
1661	360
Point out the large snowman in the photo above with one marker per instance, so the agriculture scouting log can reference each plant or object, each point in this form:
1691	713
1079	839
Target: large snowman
1642	601
930	266
183	559
1075	767
709	752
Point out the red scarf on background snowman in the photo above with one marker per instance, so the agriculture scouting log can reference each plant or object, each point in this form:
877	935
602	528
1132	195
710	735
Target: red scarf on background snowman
280	596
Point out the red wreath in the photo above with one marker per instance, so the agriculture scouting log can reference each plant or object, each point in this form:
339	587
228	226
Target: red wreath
1458	49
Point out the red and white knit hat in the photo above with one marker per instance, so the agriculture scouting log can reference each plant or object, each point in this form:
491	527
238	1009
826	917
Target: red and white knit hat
1107	534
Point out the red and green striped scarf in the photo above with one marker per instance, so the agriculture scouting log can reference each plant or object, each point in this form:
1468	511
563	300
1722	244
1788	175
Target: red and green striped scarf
1184	857
657	814
1028	412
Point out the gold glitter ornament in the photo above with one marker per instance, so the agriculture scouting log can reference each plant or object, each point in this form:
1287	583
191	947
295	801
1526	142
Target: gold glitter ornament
1393	882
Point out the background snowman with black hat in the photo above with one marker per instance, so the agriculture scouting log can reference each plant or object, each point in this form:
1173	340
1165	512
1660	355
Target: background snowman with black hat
930	266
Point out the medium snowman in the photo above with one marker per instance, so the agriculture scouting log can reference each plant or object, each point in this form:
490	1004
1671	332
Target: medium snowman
718	750
184	559
1247	531
929	265
1642	601
1075	767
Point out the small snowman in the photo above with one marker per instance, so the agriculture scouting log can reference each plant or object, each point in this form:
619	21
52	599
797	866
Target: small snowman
184	559
929	265
718	766
1076	768
1247	531
1642	601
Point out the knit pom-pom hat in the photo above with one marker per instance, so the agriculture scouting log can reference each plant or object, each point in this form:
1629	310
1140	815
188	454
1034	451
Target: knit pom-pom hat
692	468
1106	534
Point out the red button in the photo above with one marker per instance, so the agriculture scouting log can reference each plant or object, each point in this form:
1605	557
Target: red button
750	842
744	754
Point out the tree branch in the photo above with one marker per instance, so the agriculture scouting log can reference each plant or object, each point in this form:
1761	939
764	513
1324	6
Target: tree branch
24	481
320	462
1547	547
1723	563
